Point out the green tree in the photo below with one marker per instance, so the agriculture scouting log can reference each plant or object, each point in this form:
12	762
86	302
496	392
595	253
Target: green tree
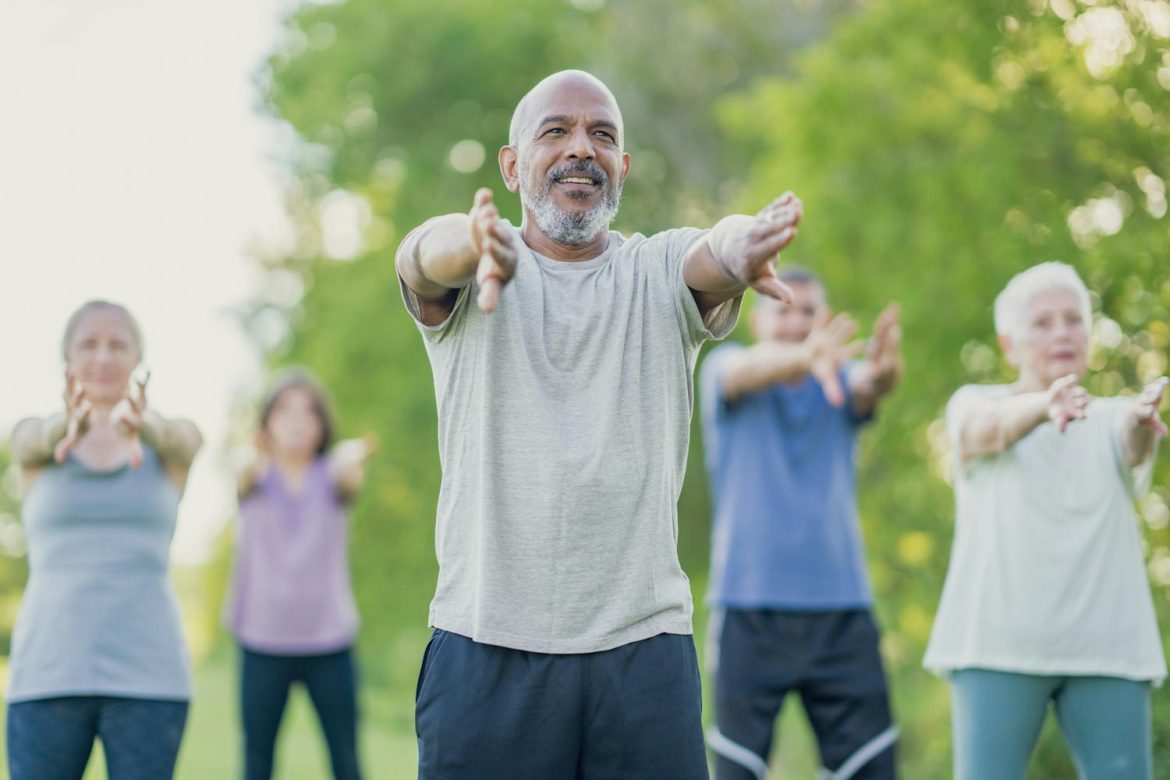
13	562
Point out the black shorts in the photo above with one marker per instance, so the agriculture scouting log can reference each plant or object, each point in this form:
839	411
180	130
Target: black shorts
830	659
491	713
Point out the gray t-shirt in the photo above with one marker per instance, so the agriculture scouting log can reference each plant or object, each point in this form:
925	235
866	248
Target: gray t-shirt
564	419
98	616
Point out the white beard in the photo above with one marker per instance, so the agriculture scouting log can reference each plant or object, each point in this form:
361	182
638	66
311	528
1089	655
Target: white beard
565	227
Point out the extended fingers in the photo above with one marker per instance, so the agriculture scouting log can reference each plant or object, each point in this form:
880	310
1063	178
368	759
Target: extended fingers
489	294
786	202
140	403
501	245
77	397
483	196
72	430
497	265
775	218
767	283
489	276
1079	402
769	245
1152	393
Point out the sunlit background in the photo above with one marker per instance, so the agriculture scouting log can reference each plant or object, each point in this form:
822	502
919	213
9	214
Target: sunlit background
136	167
239	175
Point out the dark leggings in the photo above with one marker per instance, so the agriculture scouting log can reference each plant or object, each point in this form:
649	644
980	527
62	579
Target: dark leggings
265	681
51	739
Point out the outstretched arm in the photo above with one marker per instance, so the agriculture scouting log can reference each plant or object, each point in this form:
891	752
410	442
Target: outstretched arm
738	253
175	441
995	426
879	373
34	439
445	254
347	464
821	354
1142	426
37	442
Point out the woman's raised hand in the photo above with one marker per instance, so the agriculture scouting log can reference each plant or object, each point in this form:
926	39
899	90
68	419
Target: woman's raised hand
1067	401
128	414
78	415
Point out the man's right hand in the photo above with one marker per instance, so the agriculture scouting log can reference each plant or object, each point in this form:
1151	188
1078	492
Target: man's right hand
495	245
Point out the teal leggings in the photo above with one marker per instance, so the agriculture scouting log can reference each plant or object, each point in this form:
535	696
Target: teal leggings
997	718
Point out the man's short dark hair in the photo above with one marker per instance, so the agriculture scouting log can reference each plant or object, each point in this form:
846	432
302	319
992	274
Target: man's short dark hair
798	274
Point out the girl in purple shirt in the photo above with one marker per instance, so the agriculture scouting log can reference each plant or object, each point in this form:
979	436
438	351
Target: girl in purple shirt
292	608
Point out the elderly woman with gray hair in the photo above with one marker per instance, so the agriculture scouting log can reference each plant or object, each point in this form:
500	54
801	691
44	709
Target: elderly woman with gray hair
1046	598
97	650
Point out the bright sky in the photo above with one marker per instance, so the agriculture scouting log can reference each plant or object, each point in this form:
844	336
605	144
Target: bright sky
134	166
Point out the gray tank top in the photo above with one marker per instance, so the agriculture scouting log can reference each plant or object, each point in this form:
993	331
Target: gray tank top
99	616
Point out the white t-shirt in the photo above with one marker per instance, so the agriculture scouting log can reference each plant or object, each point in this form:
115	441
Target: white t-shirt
1046	573
564	419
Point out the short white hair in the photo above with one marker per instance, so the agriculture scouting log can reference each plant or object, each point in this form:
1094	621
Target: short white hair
1011	305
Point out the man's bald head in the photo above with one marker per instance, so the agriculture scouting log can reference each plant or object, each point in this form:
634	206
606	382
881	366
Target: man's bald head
531	107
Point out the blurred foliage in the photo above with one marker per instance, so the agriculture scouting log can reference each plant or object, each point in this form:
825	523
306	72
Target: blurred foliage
939	148
13	564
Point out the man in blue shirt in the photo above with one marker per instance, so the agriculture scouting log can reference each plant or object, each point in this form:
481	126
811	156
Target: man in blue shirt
789	593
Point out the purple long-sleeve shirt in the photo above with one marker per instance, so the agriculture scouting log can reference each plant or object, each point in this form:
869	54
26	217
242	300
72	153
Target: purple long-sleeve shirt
292	592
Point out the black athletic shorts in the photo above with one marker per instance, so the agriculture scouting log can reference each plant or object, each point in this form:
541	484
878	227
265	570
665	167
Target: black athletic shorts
492	713
830	659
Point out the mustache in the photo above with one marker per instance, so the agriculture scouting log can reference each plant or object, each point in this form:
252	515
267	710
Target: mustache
586	167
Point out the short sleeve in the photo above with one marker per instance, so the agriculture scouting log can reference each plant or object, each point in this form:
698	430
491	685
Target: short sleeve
720	320
432	333
959	408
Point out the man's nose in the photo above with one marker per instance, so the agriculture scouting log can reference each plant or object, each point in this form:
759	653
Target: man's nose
580	145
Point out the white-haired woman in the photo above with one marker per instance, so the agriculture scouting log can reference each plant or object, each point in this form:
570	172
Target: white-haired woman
1046	598
97	649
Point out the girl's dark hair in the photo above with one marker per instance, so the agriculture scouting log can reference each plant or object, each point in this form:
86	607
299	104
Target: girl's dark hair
301	379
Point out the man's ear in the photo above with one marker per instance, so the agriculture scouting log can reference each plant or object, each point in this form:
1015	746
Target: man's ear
1009	350
510	168
625	165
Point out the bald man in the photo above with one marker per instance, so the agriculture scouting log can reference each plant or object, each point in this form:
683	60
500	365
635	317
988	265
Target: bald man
563	355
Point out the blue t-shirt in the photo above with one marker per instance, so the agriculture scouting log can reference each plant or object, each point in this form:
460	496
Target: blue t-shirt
783	478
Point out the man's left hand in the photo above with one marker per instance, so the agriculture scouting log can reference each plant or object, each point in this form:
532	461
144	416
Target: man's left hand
748	255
